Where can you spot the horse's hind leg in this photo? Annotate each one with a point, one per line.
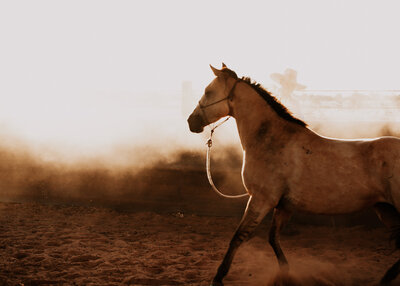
(255, 212)
(279, 219)
(391, 219)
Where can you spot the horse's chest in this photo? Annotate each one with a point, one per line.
(262, 175)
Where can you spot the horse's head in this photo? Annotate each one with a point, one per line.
(214, 104)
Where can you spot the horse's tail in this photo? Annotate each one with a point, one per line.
(391, 218)
(395, 235)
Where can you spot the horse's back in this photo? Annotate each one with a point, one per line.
(389, 145)
(341, 176)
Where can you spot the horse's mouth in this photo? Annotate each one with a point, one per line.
(196, 123)
(197, 129)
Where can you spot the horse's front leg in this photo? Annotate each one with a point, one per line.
(255, 211)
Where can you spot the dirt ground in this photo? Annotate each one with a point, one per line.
(69, 245)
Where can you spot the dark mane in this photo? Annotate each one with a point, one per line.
(278, 107)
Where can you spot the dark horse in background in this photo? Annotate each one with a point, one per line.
(289, 167)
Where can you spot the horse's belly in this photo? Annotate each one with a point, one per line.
(331, 206)
(328, 200)
(335, 187)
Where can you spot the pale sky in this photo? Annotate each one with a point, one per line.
(77, 71)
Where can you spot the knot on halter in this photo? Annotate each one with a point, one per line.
(209, 141)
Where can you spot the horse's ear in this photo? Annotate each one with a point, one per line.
(216, 71)
(224, 65)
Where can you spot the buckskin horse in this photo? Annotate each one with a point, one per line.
(287, 167)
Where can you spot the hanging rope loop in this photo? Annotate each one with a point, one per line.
(208, 165)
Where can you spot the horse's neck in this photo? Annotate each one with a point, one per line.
(256, 121)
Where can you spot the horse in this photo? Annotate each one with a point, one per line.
(288, 167)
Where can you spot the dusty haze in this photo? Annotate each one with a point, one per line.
(165, 171)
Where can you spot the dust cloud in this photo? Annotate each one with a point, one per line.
(310, 272)
(134, 178)
(317, 256)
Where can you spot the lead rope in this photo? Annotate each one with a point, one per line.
(208, 163)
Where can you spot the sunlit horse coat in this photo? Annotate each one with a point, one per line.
(289, 167)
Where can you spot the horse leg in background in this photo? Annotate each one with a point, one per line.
(390, 217)
(255, 211)
(279, 219)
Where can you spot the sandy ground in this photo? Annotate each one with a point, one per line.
(66, 245)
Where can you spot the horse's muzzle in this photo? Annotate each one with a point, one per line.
(196, 123)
